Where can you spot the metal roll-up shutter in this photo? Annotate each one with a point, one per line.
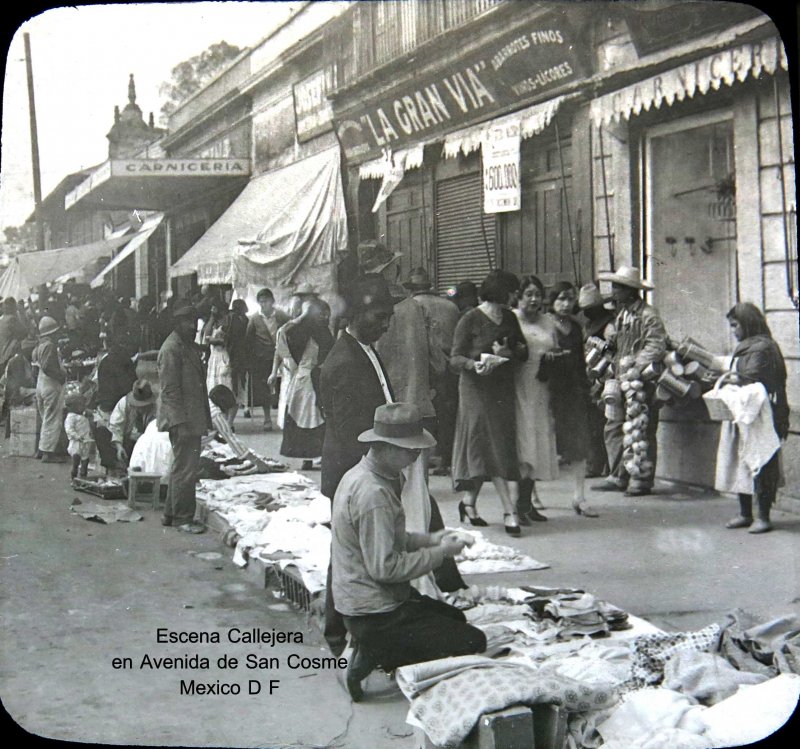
(463, 247)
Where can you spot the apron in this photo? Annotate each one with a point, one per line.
(50, 402)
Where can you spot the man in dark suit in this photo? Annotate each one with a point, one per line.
(183, 412)
(352, 384)
(353, 380)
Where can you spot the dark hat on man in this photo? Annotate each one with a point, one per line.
(418, 280)
(185, 310)
(398, 424)
(374, 256)
(370, 291)
(141, 394)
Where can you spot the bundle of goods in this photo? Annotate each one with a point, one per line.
(689, 371)
(637, 417)
(105, 487)
(599, 355)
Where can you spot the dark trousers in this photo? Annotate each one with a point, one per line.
(447, 577)
(765, 487)
(446, 405)
(597, 459)
(181, 499)
(108, 455)
(420, 629)
(613, 437)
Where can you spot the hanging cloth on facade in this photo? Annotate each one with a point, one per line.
(284, 223)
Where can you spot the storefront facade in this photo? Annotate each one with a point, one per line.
(288, 224)
(647, 137)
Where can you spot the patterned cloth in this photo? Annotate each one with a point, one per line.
(449, 709)
(651, 652)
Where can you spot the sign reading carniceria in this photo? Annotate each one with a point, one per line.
(132, 168)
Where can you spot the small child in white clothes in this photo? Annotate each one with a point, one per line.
(79, 432)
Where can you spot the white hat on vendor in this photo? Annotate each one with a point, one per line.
(399, 424)
(628, 276)
(48, 326)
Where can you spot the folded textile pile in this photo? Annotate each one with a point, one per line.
(577, 615)
(484, 556)
(660, 718)
(449, 696)
(767, 648)
(651, 652)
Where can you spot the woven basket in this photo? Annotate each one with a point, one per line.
(717, 408)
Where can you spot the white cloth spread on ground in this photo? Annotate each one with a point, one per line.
(748, 442)
(484, 556)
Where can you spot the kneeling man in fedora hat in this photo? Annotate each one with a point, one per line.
(130, 418)
(374, 559)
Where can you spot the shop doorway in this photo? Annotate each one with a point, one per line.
(690, 226)
(536, 238)
(405, 225)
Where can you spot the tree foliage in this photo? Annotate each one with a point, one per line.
(191, 75)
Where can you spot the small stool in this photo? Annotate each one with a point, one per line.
(143, 487)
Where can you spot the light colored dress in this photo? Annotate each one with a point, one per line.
(219, 363)
(299, 416)
(536, 428)
(79, 432)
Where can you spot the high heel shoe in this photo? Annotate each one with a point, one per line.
(475, 520)
(512, 530)
(581, 508)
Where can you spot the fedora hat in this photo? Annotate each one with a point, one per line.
(374, 256)
(628, 276)
(418, 280)
(590, 296)
(184, 310)
(305, 289)
(141, 394)
(369, 291)
(398, 424)
(48, 326)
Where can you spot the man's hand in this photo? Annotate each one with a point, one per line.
(122, 456)
(451, 545)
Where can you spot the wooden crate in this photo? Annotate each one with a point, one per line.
(24, 432)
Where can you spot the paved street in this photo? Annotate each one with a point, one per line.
(77, 595)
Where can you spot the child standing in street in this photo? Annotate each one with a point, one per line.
(79, 432)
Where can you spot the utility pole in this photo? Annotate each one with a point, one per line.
(37, 180)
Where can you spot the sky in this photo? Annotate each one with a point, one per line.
(82, 57)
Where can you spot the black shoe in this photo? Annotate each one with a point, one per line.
(358, 669)
(607, 486)
(166, 521)
(512, 530)
(638, 491)
(535, 515)
(477, 520)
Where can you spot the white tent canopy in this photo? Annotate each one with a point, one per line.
(285, 227)
(31, 269)
(136, 241)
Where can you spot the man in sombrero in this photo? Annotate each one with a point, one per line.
(641, 336)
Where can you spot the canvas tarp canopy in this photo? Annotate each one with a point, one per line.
(149, 225)
(285, 227)
(29, 270)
